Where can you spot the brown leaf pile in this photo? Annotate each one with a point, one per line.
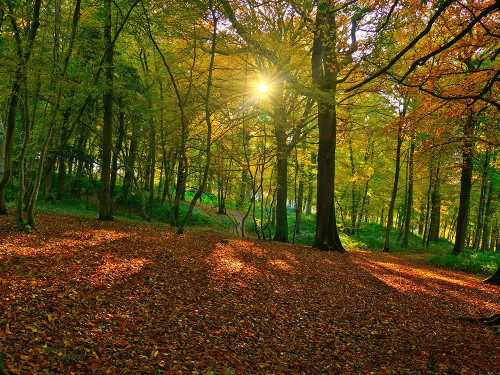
(83, 297)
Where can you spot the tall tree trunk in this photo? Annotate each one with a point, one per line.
(427, 208)
(465, 184)
(324, 73)
(118, 148)
(208, 120)
(485, 241)
(25, 116)
(482, 199)
(2, 150)
(105, 207)
(281, 233)
(390, 214)
(409, 202)
(310, 191)
(9, 137)
(130, 163)
(20, 75)
(180, 188)
(354, 198)
(435, 208)
(152, 161)
(299, 196)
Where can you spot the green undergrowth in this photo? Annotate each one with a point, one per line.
(369, 237)
(89, 206)
(482, 263)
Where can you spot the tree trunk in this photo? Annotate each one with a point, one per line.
(14, 96)
(61, 178)
(390, 214)
(495, 278)
(281, 233)
(105, 208)
(208, 120)
(482, 199)
(409, 201)
(310, 192)
(118, 148)
(152, 164)
(130, 163)
(27, 132)
(324, 74)
(298, 207)
(465, 184)
(9, 137)
(2, 150)
(354, 198)
(485, 241)
(435, 208)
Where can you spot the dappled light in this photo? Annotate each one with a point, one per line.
(113, 269)
(23, 245)
(138, 297)
(444, 284)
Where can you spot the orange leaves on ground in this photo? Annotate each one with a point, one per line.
(130, 298)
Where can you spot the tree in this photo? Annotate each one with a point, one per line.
(390, 214)
(324, 75)
(465, 182)
(105, 208)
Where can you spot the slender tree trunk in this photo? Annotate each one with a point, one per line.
(435, 208)
(310, 192)
(485, 241)
(27, 132)
(2, 150)
(465, 184)
(428, 207)
(421, 218)
(208, 120)
(281, 233)
(299, 203)
(354, 198)
(152, 163)
(20, 75)
(9, 137)
(118, 148)
(390, 214)
(130, 163)
(105, 206)
(482, 199)
(409, 202)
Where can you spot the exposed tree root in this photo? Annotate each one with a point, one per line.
(325, 247)
(495, 278)
(490, 321)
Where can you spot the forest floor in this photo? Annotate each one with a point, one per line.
(80, 296)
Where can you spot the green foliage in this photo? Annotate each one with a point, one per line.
(484, 263)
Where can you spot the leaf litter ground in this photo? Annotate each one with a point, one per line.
(85, 297)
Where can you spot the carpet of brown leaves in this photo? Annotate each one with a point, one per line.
(83, 297)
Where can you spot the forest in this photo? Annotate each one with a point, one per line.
(314, 122)
(357, 112)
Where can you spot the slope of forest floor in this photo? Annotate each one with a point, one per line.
(82, 296)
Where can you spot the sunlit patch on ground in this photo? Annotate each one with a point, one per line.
(226, 259)
(70, 241)
(114, 268)
(281, 265)
(434, 282)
